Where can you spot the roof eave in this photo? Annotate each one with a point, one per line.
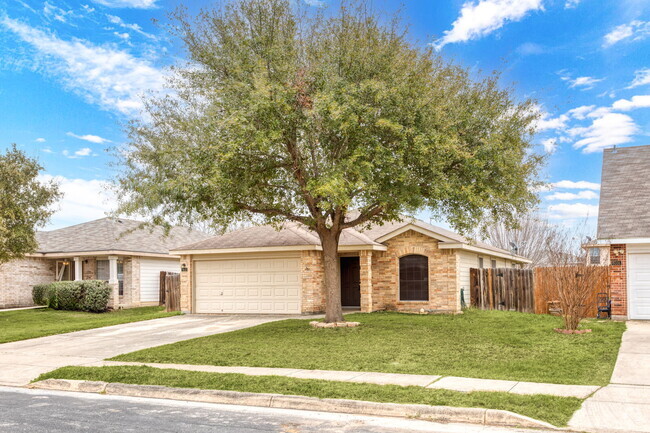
(416, 228)
(67, 254)
(486, 251)
(281, 248)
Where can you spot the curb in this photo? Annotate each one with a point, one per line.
(444, 414)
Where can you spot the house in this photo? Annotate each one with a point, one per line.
(407, 266)
(112, 249)
(624, 229)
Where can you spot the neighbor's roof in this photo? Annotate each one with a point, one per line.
(297, 235)
(113, 234)
(624, 210)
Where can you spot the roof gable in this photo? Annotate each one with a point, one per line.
(624, 209)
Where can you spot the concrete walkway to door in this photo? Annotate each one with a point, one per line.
(23, 361)
(624, 404)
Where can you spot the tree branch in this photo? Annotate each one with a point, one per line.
(363, 217)
(274, 212)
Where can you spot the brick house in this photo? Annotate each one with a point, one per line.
(406, 266)
(624, 229)
(115, 250)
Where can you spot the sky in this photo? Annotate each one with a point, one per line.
(73, 74)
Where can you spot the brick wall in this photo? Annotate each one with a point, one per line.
(443, 293)
(19, 276)
(186, 283)
(131, 267)
(313, 290)
(89, 268)
(618, 280)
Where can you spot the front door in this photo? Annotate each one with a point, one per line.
(350, 282)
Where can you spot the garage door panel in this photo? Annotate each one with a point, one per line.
(639, 286)
(254, 286)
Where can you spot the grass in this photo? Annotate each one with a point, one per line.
(555, 410)
(480, 344)
(24, 324)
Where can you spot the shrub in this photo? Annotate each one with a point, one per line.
(97, 296)
(88, 295)
(39, 293)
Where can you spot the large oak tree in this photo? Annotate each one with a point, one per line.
(25, 203)
(288, 114)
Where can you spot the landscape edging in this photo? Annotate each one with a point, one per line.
(445, 414)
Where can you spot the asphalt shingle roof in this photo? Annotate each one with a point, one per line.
(112, 234)
(292, 234)
(624, 210)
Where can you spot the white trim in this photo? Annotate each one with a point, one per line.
(64, 255)
(484, 251)
(415, 228)
(624, 241)
(342, 248)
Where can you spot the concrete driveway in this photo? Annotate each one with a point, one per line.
(23, 361)
(624, 404)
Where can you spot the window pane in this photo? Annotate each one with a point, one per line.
(414, 278)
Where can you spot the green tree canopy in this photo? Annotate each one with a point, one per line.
(25, 203)
(282, 114)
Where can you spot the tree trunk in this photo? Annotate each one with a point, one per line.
(332, 277)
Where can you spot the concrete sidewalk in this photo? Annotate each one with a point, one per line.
(23, 361)
(432, 382)
(623, 405)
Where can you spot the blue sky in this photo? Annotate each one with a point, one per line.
(72, 74)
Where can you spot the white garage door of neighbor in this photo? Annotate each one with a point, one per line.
(639, 286)
(150, 277)
(249, 286)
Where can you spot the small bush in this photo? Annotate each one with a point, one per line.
(88, 295)
(38, 294)
(97, 296)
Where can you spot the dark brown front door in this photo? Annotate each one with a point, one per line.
(350, 282)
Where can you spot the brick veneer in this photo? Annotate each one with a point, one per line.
(443, 292)
(618, 280)
(131, 268)
(313, 290)
(19, 276)
(186, 283)
(89, 268)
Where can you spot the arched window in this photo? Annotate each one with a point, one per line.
(414, 278)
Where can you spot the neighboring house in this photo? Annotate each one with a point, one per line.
(408, 266)
(624, 229)
(111, 249)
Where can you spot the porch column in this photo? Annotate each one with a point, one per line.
(365, 269)
(113, 282)
(78, 272)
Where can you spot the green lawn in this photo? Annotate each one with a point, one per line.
(481, 344)
(24, 324)
(555, 410)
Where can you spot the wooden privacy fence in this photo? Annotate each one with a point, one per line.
(507, 289)
(526, 290)
(170, 290)
(546, 291)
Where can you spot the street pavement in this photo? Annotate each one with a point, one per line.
(35, 411)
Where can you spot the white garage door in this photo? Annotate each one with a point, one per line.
(639, 282)
(150, 277)
(249, 286)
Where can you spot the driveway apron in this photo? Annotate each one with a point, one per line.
(23, 361)
(624, 404)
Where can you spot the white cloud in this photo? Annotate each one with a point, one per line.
(546, 122)
(572, 211)
(47, 150)
(635, 30)
(581, 112)
(85, 151)
(570, 4)
(112, 78)
(88, 137)
(317, 3)
(136, 4)
(550, 145)
(638, 101)
(75, 207)
(581, 184)
(605, 131)
(481, 18)
(53, 12)
(641, 78)
(584, 82)
(581, 195)
(113, 19)
(124, 36)
(40, 140)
